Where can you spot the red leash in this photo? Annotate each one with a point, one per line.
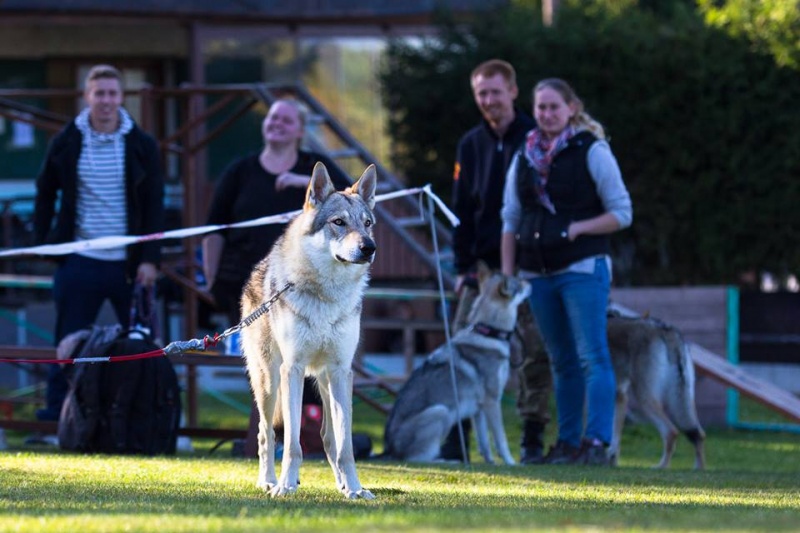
(173, 348)
(108, 359)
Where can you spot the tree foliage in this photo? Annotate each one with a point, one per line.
(702, 125)
(772, 26)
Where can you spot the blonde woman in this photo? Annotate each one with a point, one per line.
(563, 196)
(270, 182)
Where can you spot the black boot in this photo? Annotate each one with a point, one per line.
(451, 447)
(532, 443)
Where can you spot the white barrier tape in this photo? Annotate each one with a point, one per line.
(102, 243)
(454, 221)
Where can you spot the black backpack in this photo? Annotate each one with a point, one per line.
(128, 407)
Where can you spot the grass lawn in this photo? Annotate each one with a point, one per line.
(752, 483)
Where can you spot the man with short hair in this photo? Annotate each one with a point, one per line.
(483, 156)
(106, 173)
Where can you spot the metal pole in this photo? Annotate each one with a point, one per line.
(733, 351)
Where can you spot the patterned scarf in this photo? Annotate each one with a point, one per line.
(540, 153)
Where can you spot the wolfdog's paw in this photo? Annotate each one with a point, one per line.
(356, 494)
(267, 486)
(279, 491)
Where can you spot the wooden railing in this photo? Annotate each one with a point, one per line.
(363, 379)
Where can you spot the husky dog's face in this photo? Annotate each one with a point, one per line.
(347, 224)
(344, 220)
(499, 298)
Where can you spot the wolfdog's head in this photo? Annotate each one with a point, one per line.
(343, 220)
(499, 299)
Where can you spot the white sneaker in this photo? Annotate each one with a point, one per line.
(39, 439)
(184, 444)
(50, 440)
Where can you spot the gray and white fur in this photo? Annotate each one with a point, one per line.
(312, 329)
(653, 367)
(426, 409)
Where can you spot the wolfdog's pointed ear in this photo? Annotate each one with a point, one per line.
(319, 188)
(365, 186)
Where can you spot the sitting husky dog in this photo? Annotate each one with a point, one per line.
(653, 367)
(425, 409)
(313, 328)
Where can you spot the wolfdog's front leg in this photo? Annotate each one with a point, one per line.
(264, 387)
(341, 409)
(482, 434)
(291, 403)
(494, 418)
(323, 383)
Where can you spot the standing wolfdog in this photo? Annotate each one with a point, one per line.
(653, 367)
(325, 254)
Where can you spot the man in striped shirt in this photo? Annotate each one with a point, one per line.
(105, 175)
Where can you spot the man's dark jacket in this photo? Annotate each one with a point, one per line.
(144, 192)
(480, 175)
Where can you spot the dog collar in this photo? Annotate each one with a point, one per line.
(489, 331)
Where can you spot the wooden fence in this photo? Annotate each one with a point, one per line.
(701, 314)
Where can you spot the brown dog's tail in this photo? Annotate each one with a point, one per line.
(682, 406)
(682, 403)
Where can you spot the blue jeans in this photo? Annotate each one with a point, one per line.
(80, 287)
(570, 309)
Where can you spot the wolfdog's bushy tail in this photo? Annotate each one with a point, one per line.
(681, 402)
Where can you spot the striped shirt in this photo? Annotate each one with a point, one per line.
(101, 210)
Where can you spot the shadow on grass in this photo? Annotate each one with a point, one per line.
(439, 496)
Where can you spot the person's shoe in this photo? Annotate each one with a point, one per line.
(184, 444)
(562, 454)
(532, 456)
(532, 447)
(41, 439)
(594, 452)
